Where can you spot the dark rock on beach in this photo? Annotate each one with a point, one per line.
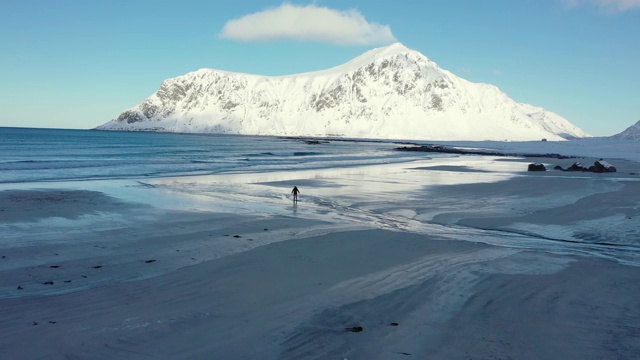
(536, 167)
(602, 166)
(576, 167)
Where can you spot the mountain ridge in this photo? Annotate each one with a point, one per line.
(630, 133)
(390, 93)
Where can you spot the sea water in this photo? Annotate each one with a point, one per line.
(44, 155)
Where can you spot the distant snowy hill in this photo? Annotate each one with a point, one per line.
(631, 133)
(387, 93)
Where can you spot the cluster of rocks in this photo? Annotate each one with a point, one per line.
(600, 166)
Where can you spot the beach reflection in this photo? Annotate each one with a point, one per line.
(401, 177)
(351, 194)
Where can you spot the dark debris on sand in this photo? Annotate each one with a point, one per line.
(354, 329)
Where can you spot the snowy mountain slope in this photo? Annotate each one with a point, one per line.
(390, 92)
(630, 133)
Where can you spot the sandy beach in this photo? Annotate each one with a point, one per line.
(449, 258)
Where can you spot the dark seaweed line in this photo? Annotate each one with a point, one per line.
(446, 150)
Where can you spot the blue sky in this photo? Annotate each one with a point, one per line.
(80, 63)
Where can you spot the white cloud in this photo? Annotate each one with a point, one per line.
(619, 5)
(609, 5)
(307, 23)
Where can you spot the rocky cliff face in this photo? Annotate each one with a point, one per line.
(390, 93)
(631, 133)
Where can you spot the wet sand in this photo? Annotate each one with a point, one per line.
(369, 274)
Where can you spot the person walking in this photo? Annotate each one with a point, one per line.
(295, 192)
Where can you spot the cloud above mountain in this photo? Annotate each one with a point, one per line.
(307, 23)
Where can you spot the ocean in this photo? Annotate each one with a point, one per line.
(45, 155)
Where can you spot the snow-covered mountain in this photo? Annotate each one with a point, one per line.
(631, 133)
(389, 93)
